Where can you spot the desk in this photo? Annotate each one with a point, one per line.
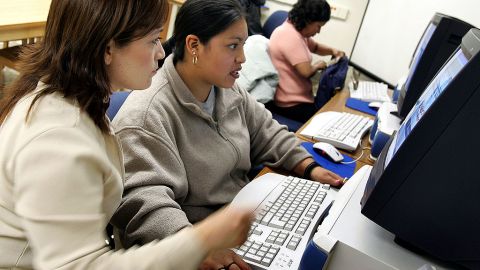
(337, 103)
(23, 19)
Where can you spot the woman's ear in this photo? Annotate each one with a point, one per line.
(109, 52)
(192, 43)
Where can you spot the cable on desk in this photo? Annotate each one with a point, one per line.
(358, 158)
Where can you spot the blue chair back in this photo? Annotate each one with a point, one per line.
(116, 101)
(273, 21)
(291, 124)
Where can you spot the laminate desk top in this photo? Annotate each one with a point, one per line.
(22, 19)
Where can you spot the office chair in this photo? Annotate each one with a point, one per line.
(274, 20)
(292, 125)
(116, 101)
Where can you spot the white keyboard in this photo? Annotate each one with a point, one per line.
(288, 212)
(341, 129)
(370, 91)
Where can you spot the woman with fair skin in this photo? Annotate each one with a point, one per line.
(62, 167)
(290, 48)
(191, 138)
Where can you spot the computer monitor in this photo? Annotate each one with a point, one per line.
(441, 37)
(425, 185)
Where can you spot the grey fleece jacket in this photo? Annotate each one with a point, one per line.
(182, 164)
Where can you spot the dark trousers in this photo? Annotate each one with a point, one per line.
(301, 112)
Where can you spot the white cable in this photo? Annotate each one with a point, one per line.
(358, 158)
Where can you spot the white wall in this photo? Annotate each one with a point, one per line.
(337, 33)
(392, 29)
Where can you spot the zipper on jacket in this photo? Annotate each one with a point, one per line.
(216, 126)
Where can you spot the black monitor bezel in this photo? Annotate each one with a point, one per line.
(443, 41)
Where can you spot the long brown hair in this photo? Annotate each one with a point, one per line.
(70, 59)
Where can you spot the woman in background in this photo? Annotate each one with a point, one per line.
(192, 137)
(291, 46)
(62, 170)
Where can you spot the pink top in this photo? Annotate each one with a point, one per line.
(288, 48)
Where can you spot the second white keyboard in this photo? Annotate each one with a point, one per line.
(370, 91)
(341, 129)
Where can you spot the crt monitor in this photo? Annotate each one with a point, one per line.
(425, 186)
(441, 37)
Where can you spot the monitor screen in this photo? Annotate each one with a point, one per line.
(418, 53)
(433, 90)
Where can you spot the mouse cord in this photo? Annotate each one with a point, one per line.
(359, 157)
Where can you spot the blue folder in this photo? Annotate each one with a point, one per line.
(360, 105)
(344, 170)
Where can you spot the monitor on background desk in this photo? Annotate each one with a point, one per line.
(439, 40)
(424, 188)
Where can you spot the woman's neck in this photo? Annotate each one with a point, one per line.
(197, 86)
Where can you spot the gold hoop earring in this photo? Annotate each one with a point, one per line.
(195, 58)
(106, 99)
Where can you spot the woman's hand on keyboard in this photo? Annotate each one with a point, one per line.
(225, 228)
(222, 258)
(325, 176)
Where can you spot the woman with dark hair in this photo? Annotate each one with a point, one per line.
(291, 47)
(62, 169)
(192, 137)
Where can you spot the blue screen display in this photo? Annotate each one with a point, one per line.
(433, 91)
(419, 52)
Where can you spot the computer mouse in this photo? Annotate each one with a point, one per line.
(329, 151)
(375, 105)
